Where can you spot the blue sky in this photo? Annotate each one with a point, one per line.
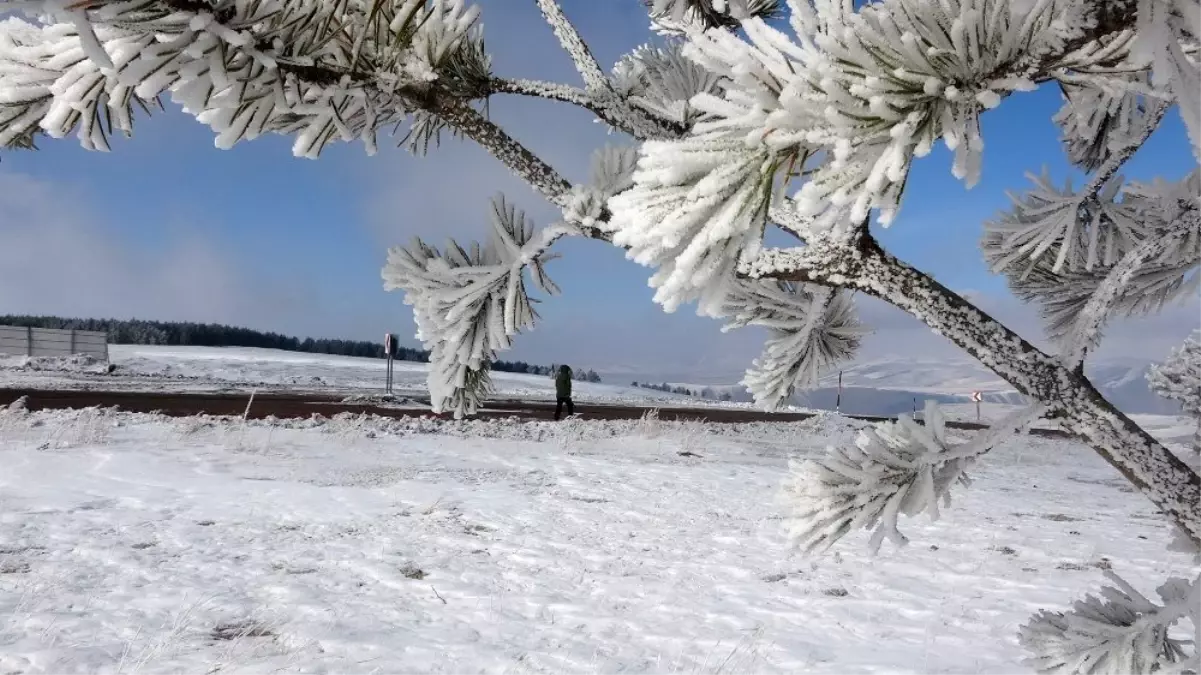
(166, 226)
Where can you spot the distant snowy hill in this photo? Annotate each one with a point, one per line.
(891, 385)
(203, 369)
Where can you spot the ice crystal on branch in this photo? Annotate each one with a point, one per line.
(612, 172)
(1119, 632)
(811, 329)
(468, 304)
(1172, 207)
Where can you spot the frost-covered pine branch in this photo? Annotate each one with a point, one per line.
(1075, 230)
(811, 330)
(469, 303)
(1105, 125)
(1128, 250)
(1169, 34)
(313, 70)
(662, 81)
(681, 17)
(1086, 327)
(893, 469)
(1121, 631)
(843, 106)
(1179, 379)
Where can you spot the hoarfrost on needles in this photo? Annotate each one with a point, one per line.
(468, 304)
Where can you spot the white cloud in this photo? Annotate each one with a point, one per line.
(59, 255)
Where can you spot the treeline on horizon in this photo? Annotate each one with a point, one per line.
(190, 334)
(707, 392)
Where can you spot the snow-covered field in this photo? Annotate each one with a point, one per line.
(196, 369)
(138, 543)
(1175, 430)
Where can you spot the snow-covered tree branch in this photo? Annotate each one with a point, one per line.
(1120, 632)
(897, 468)
(469, 303)
(574, 45)
(811, 329)
(1179, 379)
(743, 116)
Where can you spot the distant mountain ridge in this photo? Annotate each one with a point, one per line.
(894, 384)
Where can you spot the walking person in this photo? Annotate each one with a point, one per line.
(563, 392)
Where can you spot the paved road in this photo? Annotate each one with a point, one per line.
(295, 405)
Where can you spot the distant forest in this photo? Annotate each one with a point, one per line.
(707, 392)
(188, 334)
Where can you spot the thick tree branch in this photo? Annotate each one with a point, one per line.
(1165, 479)
(573, 44)
(525, 164)
(528, 166)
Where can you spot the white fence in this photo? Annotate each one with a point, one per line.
(23, 341)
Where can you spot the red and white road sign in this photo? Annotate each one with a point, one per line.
(977, 396)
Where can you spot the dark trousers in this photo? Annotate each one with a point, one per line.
(559, 407)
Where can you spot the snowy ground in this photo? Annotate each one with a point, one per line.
(195, 369)
(136, 543)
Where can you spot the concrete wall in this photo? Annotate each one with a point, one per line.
(19, 341)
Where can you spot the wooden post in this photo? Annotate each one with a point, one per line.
(29, 341)
(72, 341)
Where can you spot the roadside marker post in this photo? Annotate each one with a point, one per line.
(977, 397)
(388, 355)
(838, 399)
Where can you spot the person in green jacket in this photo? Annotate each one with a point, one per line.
(563, 392)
